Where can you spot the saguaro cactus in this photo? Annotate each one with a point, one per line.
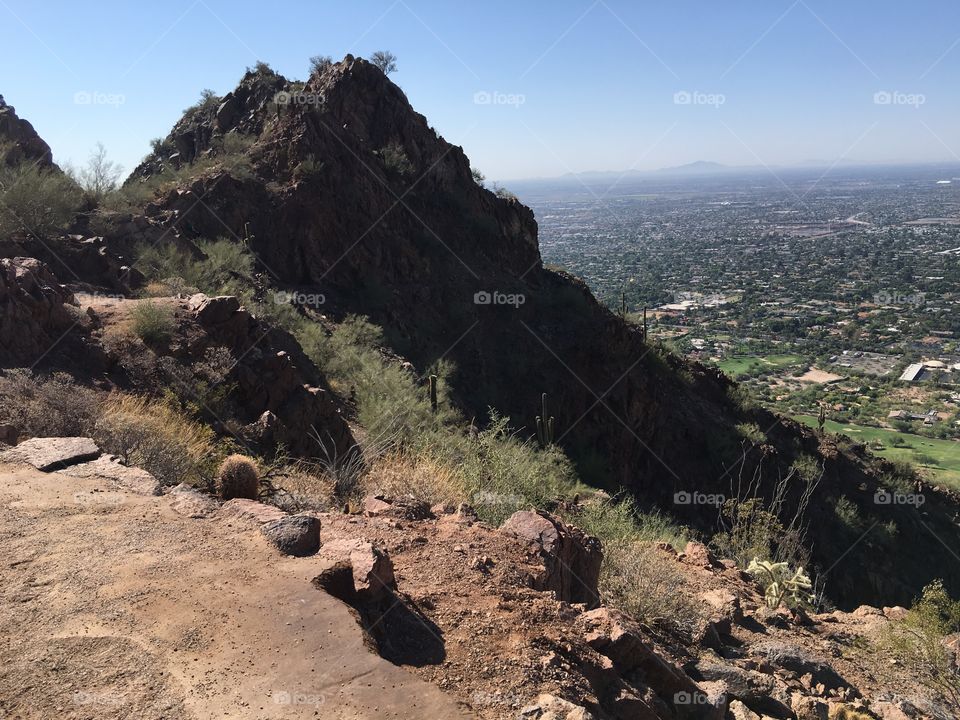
(545, 424)
(433, 393)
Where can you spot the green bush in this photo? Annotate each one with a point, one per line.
(152, 322)
(919, 642)
(35, 201)
(395, 160)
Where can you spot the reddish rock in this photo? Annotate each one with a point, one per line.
(34, 310)
(251, 510)
(571, 559)
(373, 574)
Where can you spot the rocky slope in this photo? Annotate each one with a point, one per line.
(179, 606)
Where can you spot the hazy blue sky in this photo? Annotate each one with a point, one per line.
(527, 88)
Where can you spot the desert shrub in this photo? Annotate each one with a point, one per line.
(208, 100)
(395, 160)
(152, 322)
(417, 475)
(155, 436)
(645, 582)
(238, 477)
(385, 60)
(502, 192)
(478, 177)
(319, 63)
(752, 433)
(36, 201)
(225, 268)
(500, 471)
(47, 406)
(918, 641)
(231, 151)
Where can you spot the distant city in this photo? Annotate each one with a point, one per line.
(819, 288)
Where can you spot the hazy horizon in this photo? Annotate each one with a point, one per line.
(600, 86)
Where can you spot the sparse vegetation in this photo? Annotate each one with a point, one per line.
(395, 160)
(152, 322)
(36, 201)
(47, 406)
(156, 436)
(99, 176)
(781, 585)
(319, 63)
(919, 641)
(385, 60)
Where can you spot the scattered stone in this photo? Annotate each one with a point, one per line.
(374, 505)
(571, 559)
(617, 636)
(739, 711)
(190, 502)
(251, 510)
(52, 453)
(373, 574)
(809, 708)
(699, 555)
(297, 535)
(213, 310)
(550, 707)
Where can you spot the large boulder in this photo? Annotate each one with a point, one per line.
(34, 310)
(619, 637)
(373, 576)
(570, 558)
(21, 141)
(297, 535)
(52, 453)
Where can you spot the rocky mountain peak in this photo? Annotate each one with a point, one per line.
(19, 141)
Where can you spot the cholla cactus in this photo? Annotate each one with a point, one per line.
(780, 586)
(238, 478)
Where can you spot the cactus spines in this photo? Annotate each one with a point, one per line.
(433, 393)
(545, 424)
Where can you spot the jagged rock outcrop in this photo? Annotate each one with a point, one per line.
(280, 396)
(34, 310)
(22, 141)
(571, 558)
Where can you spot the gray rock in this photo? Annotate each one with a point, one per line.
(189, 502)
(297, 535)
(52, 453)
(108, 467)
